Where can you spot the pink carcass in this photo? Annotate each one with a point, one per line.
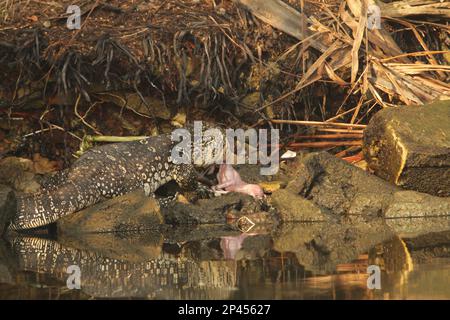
(230, 181)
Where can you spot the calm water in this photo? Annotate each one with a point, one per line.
(292, 262)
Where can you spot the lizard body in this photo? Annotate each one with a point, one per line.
(104, 172)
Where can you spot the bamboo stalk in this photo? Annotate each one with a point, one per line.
(324, 144)
(318, 123)
(340, 130)
(330, 136)
(114, 138)
(347, 151)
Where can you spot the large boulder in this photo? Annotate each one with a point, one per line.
(410, 147)
(131, 212)
(343, 190)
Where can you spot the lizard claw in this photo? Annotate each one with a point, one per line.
(167, 201)
(204, 192)
(147, 190)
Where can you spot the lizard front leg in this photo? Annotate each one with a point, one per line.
(187, 178)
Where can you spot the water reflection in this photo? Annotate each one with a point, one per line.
(297, 261)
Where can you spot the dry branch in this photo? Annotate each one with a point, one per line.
(405, 8)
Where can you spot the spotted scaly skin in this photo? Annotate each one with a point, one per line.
(104, 276)
(104, 172)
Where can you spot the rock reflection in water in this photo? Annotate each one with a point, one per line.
(298, 261)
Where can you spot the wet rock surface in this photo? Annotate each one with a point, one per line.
(410, 147)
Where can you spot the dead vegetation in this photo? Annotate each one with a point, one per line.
(297, 64)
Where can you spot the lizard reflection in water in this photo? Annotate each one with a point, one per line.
(104, 276)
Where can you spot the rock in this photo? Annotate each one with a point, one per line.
(257, 222)
(130, 212)
(211, 211)
(247, 107)
(410, 204)
(8, 264)
(8, 207)
(426, 247)
(251, 173)
(293, 208)
(152, 107)
(19, 174)
(270, 187)
(418, 226)
(128, 246)
(410, 146)
(341, 189)
(338, 187)
(393, 257)
(320, 247)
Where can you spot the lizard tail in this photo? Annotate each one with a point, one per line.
(43, 208)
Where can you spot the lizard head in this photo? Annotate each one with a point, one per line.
(208, 143)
